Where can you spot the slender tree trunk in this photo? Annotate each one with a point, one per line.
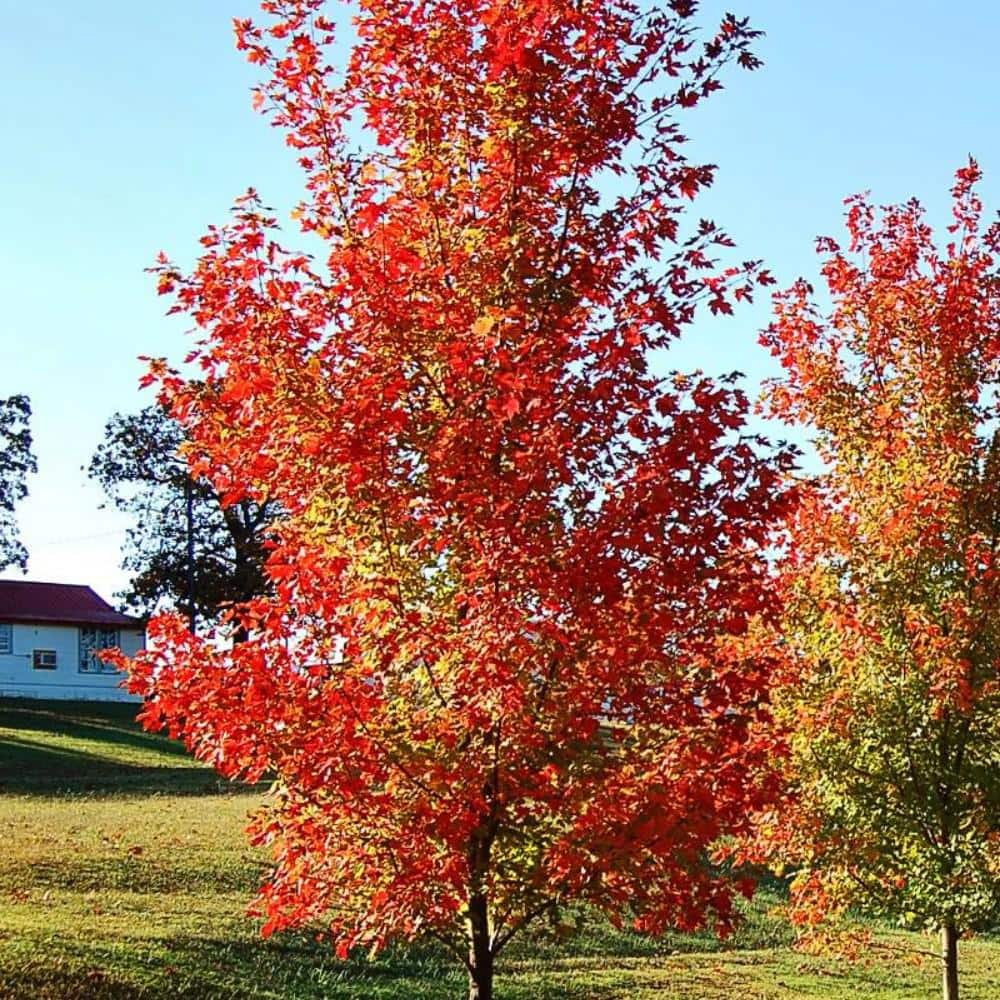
(480, 946)
(480, 953)
(949, 961)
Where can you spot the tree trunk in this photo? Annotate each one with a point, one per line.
(949, 961)
(480, 953)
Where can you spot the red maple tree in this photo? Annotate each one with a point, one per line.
(503, 665)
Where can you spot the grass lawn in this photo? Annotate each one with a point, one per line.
(125, 874)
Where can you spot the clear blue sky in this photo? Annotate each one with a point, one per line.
(127, 129)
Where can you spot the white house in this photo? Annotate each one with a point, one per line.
(49, 636)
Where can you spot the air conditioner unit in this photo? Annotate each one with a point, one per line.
(44, 659)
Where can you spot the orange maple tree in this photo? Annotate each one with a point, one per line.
(503, 667)
(890, 686)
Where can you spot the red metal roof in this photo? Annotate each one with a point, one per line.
(57, 603)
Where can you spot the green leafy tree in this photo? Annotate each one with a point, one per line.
(17, 462)
(892, 645)
(143, 472)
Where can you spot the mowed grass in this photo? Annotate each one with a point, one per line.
(124, 873)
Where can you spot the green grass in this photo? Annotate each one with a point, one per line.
(124, 874)
(52, 748)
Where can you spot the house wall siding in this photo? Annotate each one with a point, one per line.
(66, 682)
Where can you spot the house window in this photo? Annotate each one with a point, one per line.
(92, 640)
(6, 639)
(43, 659)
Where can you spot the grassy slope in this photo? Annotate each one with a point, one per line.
(125, 874)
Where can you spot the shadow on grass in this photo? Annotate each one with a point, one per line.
(296, 965)
(101, 712)
(418, 959)
(214, 968)
(33, 763)
(122, 870)
(30, 768)
(109, 723)
(597, 938)
(43, 981)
